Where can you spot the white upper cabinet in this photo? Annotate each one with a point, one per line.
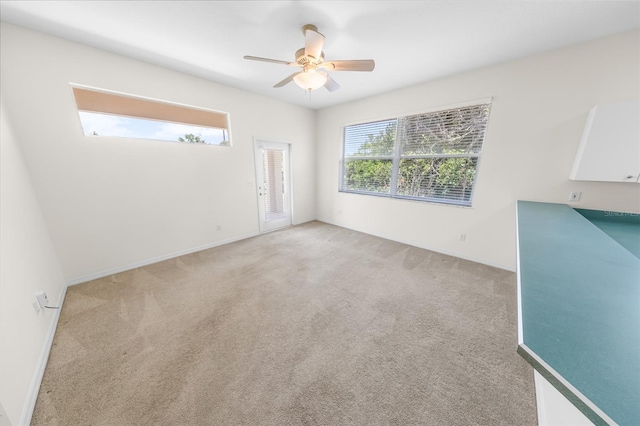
(610, 147)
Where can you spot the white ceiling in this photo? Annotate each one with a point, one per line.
(410, 41)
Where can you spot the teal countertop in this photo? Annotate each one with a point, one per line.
(622, 227)
(579, 306)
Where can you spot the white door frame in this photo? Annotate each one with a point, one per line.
(286, 220)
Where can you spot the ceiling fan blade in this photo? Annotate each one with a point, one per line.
(287, 80)
(331, 85)
(313, 41)
(275, 61)
(353, 65)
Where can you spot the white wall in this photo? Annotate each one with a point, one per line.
(27, 263)
(540, 105)
(113, 203)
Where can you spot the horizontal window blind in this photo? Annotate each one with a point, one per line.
(452, 132)
(274, 185)
(108, 114)
(128, 106)
(370, 139)
(429, 157)
(368, 176)
(438, 179)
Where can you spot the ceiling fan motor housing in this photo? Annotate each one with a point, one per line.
(303, 60)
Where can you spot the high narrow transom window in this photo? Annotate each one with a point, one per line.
(109, 114)
(426, 157)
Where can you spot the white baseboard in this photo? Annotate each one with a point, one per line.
(106, 273)
(36, 380)
(425, 246)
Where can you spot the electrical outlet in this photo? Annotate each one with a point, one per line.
(463, 237)
(575, 196)
(36, 307)
(42, 299)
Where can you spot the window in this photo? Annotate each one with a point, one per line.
(109, 114)
(427, 157)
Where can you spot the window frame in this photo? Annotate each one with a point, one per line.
(396, 157)
(88, 99)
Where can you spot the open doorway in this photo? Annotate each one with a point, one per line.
(274, 184)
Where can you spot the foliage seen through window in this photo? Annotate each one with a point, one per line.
(430, 157)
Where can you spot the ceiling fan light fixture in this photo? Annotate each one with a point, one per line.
(310, 79)
(310, 58)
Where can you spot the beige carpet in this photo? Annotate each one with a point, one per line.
(311, 325)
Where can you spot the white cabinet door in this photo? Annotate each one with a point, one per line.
(610, 147)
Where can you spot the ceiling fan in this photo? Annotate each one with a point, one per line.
(314, 68)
